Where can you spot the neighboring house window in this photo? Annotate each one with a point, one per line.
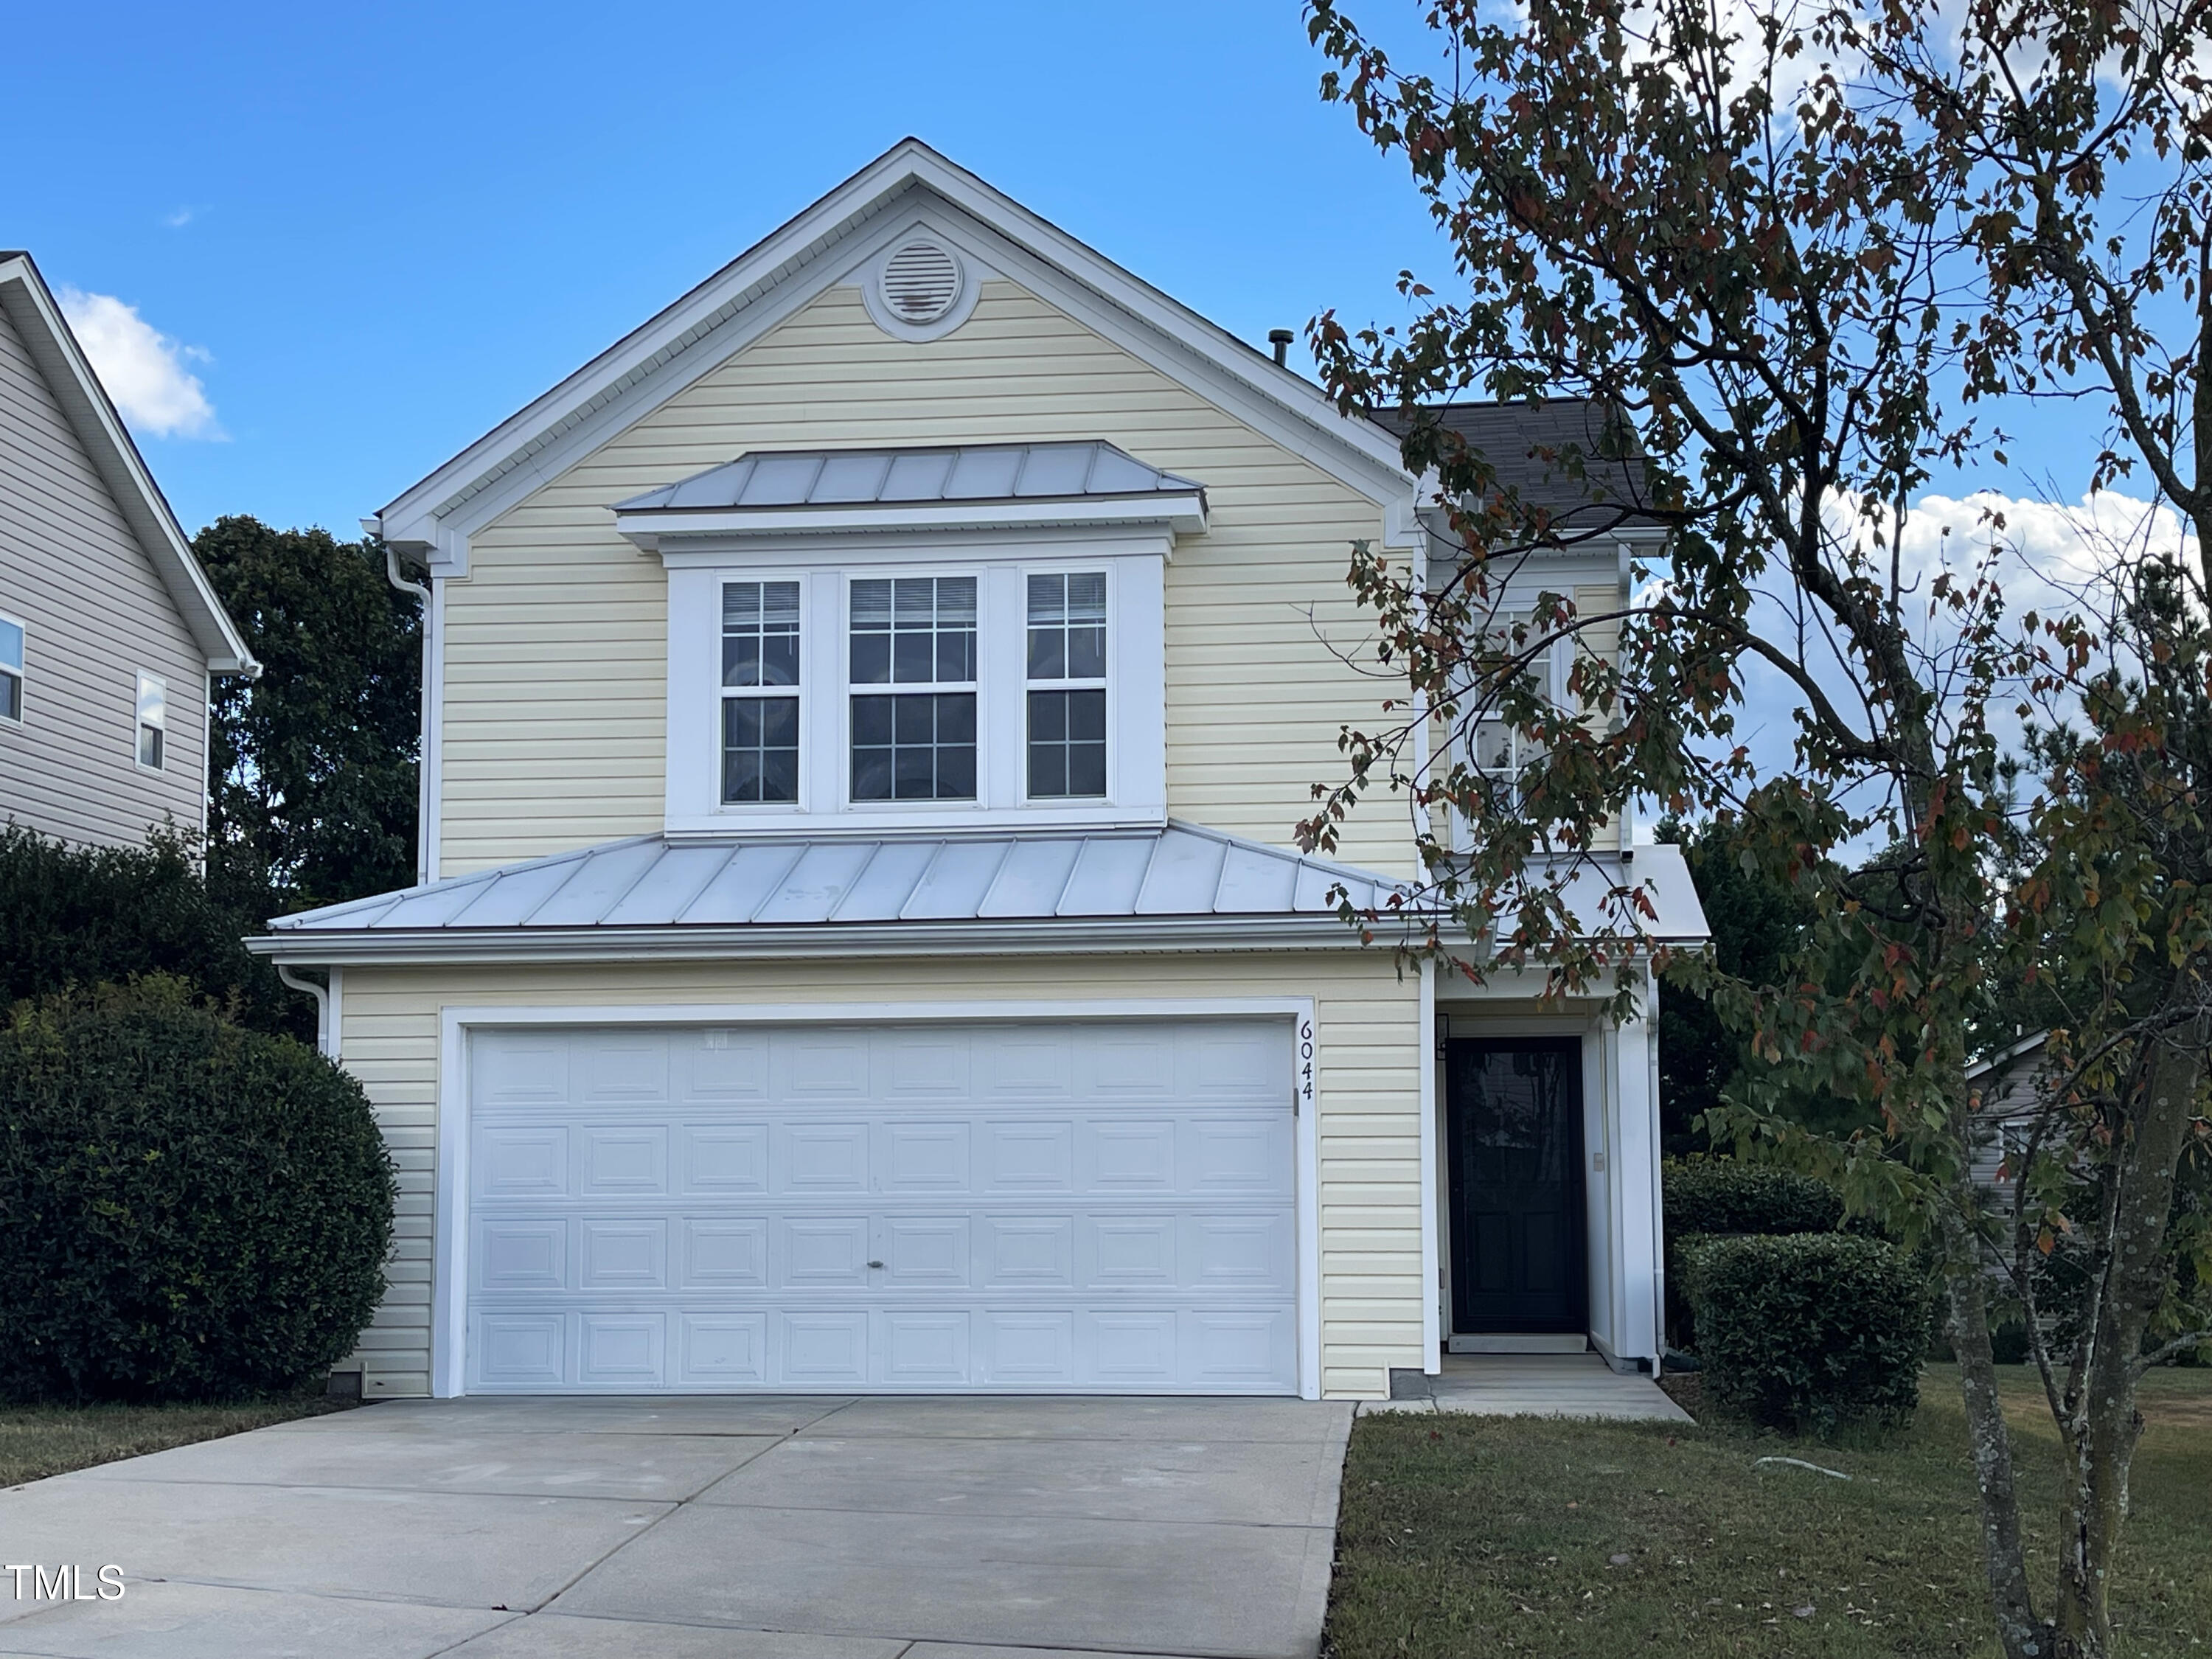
(1068, 685)
(919, 743)
(11, 669)
(153, 719)
(760, 691)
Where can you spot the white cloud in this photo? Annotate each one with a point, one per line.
(143, 368)
(180, 218)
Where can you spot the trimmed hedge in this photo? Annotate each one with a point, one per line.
(1810, 1331)
(1719, 1196)
(193, 1210)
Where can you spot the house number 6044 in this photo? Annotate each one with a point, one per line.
(1305, 1087)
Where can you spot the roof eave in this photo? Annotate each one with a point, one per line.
(1184, 513)
(756, 941)
(114, 454)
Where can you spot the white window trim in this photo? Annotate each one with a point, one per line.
(1109, 684)
(723, 694)
(849, 689)
(139, 724)
(1136, 680)
(21, 675)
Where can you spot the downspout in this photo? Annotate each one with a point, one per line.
(426, 747)
(324, 1037)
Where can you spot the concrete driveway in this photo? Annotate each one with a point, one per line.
(686, 1529)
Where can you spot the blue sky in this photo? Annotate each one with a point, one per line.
(377, 232)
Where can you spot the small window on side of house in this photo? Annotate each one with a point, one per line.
(153, 721)
(11, 670)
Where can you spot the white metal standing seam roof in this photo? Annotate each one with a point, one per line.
(1081, 471)
(652, 881)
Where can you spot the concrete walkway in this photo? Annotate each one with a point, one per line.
(704, 1528)
(1537, 1385)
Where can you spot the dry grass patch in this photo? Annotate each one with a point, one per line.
(1468, 1535)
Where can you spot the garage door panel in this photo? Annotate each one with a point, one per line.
(1034, 1253)
(923, 1158)
(825, 1349)
(720, 1066)
(522, 1161)
(1102, 1206)
(523, 1255)
(621, 1350)
(723, 1254)
(621, 1256)
(724, 1158)
(930, 1252)
(1027, 1157)
(721, 1350)
(1026, 1350)
(625, 1161)
(822, 1252)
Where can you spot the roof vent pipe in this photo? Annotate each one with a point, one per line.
(1281, 338)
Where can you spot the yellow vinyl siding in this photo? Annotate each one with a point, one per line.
(555, 643)
(1366, 1020)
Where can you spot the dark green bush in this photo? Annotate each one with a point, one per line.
(1810, 1331)
(1720, 1195)
(89, 915)
(192, 1209)
(1703, 1197)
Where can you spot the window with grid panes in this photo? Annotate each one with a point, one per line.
(1068, 685)
(916, 634)
(759, 692)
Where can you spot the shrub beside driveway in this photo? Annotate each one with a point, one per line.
(37, 1441)
(1462, 1535)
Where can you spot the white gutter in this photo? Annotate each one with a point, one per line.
(1044, 936)
(324, 1039)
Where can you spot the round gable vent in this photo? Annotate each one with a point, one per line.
(921, 282)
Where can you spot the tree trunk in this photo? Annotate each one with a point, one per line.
(1968, 1287)
(2135, 1277)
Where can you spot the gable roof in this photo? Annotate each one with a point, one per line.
(821, 247)
(31, 307)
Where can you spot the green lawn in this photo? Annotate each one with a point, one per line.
(37, 1441)
(1465, 1535)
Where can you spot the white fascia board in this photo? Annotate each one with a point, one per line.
(1043, 936)
(651, 529)
(905, 545)
(108, 444)
(757, 289)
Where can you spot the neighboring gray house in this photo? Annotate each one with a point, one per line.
(108, 628)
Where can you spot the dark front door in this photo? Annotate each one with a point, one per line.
(1514, 1115)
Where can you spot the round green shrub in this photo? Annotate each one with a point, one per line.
(192, 1209)
(1720, 1195)
(1810, 1331)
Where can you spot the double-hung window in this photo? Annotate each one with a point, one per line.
(916, 634)
(11, 670)
(759, 692)
(153, 720)
(1067, 686)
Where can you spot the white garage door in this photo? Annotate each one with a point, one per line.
(1102, 1207)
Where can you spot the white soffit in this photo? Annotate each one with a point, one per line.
(908, 189)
